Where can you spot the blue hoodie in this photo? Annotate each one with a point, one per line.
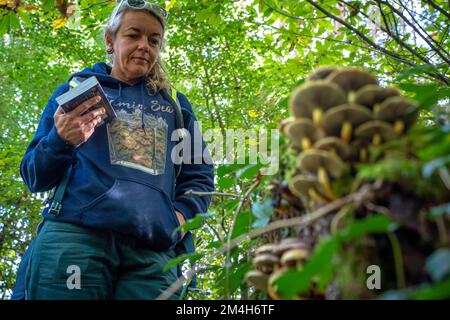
(123, 178)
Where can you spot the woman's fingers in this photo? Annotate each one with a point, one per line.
(59, 111)
(94, 114)
(85, 106)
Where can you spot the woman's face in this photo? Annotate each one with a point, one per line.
(136, 45)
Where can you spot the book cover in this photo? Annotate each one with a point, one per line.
(88, 89)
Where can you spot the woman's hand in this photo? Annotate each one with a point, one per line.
(75, 127)
(182, 221)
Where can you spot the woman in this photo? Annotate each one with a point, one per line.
(124, 198)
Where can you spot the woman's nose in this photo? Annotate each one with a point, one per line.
(144, 44)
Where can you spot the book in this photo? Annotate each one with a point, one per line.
(80, 92)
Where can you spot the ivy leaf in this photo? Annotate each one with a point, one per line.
(438, 264)
(262, 212)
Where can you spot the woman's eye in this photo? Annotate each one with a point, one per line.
(154, 42)
(132, 36)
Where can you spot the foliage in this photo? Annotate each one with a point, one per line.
(237, 61)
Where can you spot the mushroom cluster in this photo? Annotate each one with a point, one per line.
(337, 114)
(272, 260)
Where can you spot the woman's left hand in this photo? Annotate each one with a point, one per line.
(182, 221)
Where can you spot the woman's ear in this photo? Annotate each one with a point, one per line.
(108, 40)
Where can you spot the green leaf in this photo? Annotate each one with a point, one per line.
(243, 224)
(237, 276)
(192, 257)
(373, 224)
(249, 172)
(437, 291)
(226, 182)
(13, 20)
(4, 24)
(417, 70)
(427, 94)
(229, 168)
(195, 222)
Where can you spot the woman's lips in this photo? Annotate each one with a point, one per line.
(140, 60)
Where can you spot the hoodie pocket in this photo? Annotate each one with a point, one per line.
(135, 208)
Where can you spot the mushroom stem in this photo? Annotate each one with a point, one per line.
(306, 143)
(399, 126)
(363, 154)
(317, 116)
(346, 131)
(351, 95)
(376, 139)
(299, 265)
(376, 108)
(325, 183)
(313, 194)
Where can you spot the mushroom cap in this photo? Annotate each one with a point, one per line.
(371, 94)
(302, 128)
(270, 285)
(257, 279)
(290, 244)
(291, 257)
(285, 122)
(266, 262)
(311, 160)
(300, 184)
(333, 119)
(351, 79)
(396, 108)
(265, 248)
(318, 94)
(321, 73)
(341, 147)
(368, 129)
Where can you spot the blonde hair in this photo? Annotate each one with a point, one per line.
(157, 78)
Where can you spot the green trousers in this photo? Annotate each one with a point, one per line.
(74, 262)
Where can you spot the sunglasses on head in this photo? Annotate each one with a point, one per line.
(142, 4)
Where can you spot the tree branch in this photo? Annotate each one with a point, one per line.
(434, 5)
(370, 42)
(230, 234)
(425, 34)
(331, 40)
(393, 9)
(214, 193)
